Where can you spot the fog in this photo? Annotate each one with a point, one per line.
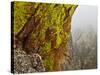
(84, 19)
(84, 36)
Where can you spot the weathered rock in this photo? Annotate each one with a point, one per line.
(37, 62)
(24, 63)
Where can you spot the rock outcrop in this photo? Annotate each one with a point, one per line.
(44, 31)
(24, 63)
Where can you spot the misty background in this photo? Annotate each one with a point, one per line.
(84, 36)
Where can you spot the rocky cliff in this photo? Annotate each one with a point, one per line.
(43, 33)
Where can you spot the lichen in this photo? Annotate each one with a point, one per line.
(54, 30)
(48, 63)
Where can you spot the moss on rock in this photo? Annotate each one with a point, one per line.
(53, 31)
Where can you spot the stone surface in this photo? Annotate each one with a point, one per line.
(24, 63)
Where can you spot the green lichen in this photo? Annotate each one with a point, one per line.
(47, 47)
(72, 10)
(48, 63)
(59, 39)
(52, 16)
(19, 16)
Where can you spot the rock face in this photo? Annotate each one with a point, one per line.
(44, 32)
(24, 63)
(37, 62)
